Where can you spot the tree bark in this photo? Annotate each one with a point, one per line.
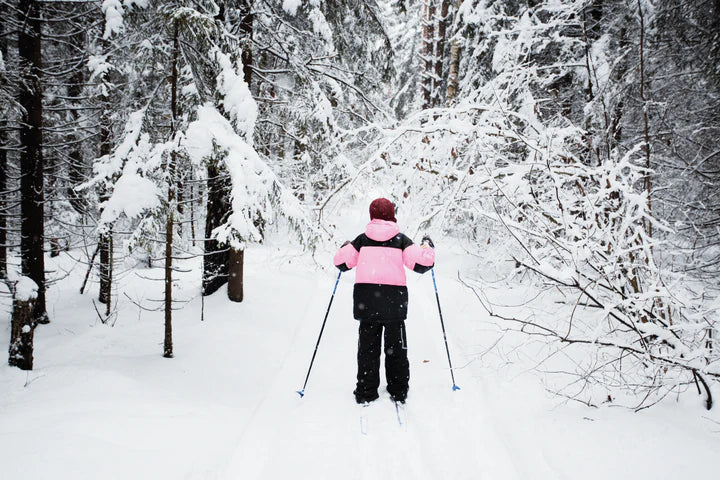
(3, 171)
(236, 257)
(168, 343)
(104, 295)
(3, 203)
(32, 179)
(428, 54)
(454, 65)
(235, 278)
(440, 52)
(246, 28)
(215, 261)
(105, 241)
(21, 334)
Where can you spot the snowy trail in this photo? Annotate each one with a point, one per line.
(288, 435)
(103, 403)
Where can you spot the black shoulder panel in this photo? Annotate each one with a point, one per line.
(359, 241)
(398, 241)
(406, 242)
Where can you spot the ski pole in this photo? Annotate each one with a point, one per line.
(302, 392)
(442, 324)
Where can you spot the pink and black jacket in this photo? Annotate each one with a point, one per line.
(380, 255)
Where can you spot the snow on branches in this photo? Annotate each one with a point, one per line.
(573, 208)
(257, 196)
(114, 11)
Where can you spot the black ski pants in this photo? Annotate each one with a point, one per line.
(397, 367)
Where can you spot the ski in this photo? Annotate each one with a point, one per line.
(364, 410)
(401, 414)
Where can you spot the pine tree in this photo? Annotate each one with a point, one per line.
(32, 180)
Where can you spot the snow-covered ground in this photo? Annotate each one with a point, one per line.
(102, 403)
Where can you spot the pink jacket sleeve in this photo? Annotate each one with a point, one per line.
(346, 258)
(419, 259)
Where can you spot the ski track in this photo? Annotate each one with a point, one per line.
(446, 432)
(103, 403)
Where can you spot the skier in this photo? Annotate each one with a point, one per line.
(380, 298)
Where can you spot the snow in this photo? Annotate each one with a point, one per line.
(236, 96)
(291, 6)
(25, 289)
(321, 27)
(103, 403)
(255, 188)
(98, 66)
(114, 10)
(133, 194)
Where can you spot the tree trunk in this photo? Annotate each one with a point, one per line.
(168, 344)
(21, 329)
(32, 180)
(646, 123)
(3, 203)
(454, 65)
(105, 240)
(215, 261)
(3, 170)
(246, 28)
(440, 52)
(235, 278)
(192, 209)
(236, 257)
(428, 54)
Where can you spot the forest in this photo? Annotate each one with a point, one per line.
(571, 147)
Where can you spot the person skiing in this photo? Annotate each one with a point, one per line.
(380, 298)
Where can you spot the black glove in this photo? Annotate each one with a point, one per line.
(427, 240)
(346, 242)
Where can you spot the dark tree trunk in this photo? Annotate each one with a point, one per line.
(3, 212)
(235, 278)
(169, 225)
(168, 343)
(21, 334)
(236, 257)
(3, 203)
(105, 241)
(3, 171)
(215, 261)
(192, 211)
(106, 269)
(32, 179)
(246, 28)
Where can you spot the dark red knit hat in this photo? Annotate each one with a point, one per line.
(383, 209)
